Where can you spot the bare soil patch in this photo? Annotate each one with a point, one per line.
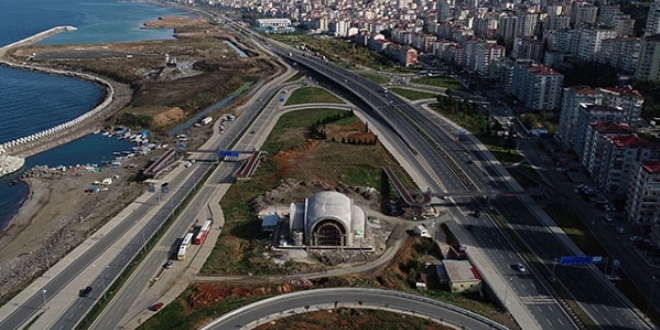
(191, 72)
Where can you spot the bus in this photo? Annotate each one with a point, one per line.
(203, 232)
(184, 246)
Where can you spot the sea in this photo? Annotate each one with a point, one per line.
(31, 102)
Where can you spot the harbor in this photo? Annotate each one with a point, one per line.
(116, 97)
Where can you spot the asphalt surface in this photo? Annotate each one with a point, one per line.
(128, 297)
(603, 303)
(82, 305)
(491, 240)
(360, 298)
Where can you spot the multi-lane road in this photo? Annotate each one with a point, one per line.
(283, 305)
(597, 297)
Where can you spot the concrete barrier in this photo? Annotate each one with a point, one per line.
(71, 123)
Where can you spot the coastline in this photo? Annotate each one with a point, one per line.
(115, 96)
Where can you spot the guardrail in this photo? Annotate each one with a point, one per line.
(402, 295)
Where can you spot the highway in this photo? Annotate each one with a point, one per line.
(53, 287)
(539, 302)
(129, 299)
(354, 297)
(597, 297)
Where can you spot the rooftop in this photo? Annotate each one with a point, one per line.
(651, 167)
(460, 271)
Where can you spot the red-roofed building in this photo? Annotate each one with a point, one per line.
(621, 157)
(643, 204)
(589, 113)
(595, 141)
(537, 86)
(570, 108)
(462, 276)
(626, 98)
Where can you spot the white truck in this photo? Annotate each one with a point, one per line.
(207, 120)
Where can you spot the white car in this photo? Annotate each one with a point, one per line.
(520, 267)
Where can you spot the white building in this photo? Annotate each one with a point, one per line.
(643, 204)
(273, 22)
(326, 219)
(621, 156)
(537, 86)
(589, 113)
(595, 142)
(590, 42)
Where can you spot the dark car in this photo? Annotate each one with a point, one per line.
(165, 187)
(85, 292)
(168, 264)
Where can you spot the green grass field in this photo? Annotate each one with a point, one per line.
(438, 81)
(306, 95)
(412, 95)
(376, 78)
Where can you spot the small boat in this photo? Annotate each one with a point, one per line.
(105, 133)
(97, 131)
(116, 153)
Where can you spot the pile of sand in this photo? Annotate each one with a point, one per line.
(168, 117)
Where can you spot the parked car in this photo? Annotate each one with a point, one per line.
(168, 264)
(157, 306)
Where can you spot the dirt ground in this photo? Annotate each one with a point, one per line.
(58, 214)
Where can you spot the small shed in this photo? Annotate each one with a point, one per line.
(463, 277)
(269, 222)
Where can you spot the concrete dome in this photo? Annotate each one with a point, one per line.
(329, 205)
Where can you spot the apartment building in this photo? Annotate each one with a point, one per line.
(621, 53)
(536, 86)
(643, 203)
(626, 98)
(648, 67)
(596, 139)
(653, 19)
(527, 48)
(620, 156)
(486, 54)
(590, 42)
(589, 113)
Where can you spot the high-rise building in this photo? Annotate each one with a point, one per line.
(596, 139)
(590, 42)
(621, 53)
(643, 203)
(536, 86)
(589, 113)
(653, 20)
(570, 107)
(629, 100)
(648, 67)
(621, 156)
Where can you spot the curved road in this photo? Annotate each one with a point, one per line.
(284, 305)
